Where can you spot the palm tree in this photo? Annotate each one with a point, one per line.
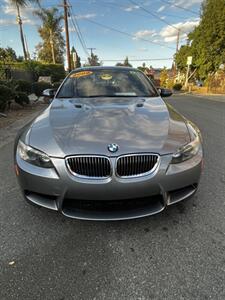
(20, 4)
(50, 31)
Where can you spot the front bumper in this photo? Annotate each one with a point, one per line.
(113, 198)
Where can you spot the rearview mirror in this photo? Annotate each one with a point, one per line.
(165, 92)
(50, 93)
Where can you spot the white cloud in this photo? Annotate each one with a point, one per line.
(169, 34)
(144, 34)
(87, 16)
(156, 41)
(26, 13)
(161, 8)
(8, 21)
(131, 8)
(143, 49)
(187, 4)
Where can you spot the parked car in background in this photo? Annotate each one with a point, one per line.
(199, 83)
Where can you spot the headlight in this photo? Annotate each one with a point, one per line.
(33, 156)
(188, 151)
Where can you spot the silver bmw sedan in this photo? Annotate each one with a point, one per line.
(108, 148)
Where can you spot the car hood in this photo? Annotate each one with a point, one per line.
(87, 126)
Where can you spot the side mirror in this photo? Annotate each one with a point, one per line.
(165, 92)
(50, 93)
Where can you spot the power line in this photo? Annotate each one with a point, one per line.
(152, 14)
(79, 36)
(77, 30)
(123, 7)
(91, 48)
(127, 34)
(178, 6)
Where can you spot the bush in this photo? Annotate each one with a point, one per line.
(177, 86)
(169, 83)
(23, 86)
(6, 94)
(9, 84)
(56, 85)
(21, 98)
(3, 82)
(39, 87)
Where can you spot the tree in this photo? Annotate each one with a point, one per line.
(143, 68)
(93, 60)
(164, 77)
(207, 40)
(7, 54)
(125, 63)
(51, 50)
(21, 4)
(181, 57)
(75, 59)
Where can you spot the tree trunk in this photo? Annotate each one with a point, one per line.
(52, 46)
(21, 31)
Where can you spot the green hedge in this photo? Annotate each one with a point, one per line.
(56, 71)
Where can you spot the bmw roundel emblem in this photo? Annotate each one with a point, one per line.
(113, 147)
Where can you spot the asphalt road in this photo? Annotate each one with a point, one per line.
(178, 254)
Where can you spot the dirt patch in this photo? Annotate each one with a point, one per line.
(20, 113)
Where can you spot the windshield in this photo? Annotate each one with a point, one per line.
(107, 83)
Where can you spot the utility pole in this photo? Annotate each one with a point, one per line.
(52, 46)
(91, 50)
(65, 5)
(27, 50)
(178, 39)
(177, 48)
(19, 20)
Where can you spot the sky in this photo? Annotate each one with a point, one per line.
(144, 30)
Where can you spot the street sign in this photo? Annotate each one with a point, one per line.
(189, 60)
